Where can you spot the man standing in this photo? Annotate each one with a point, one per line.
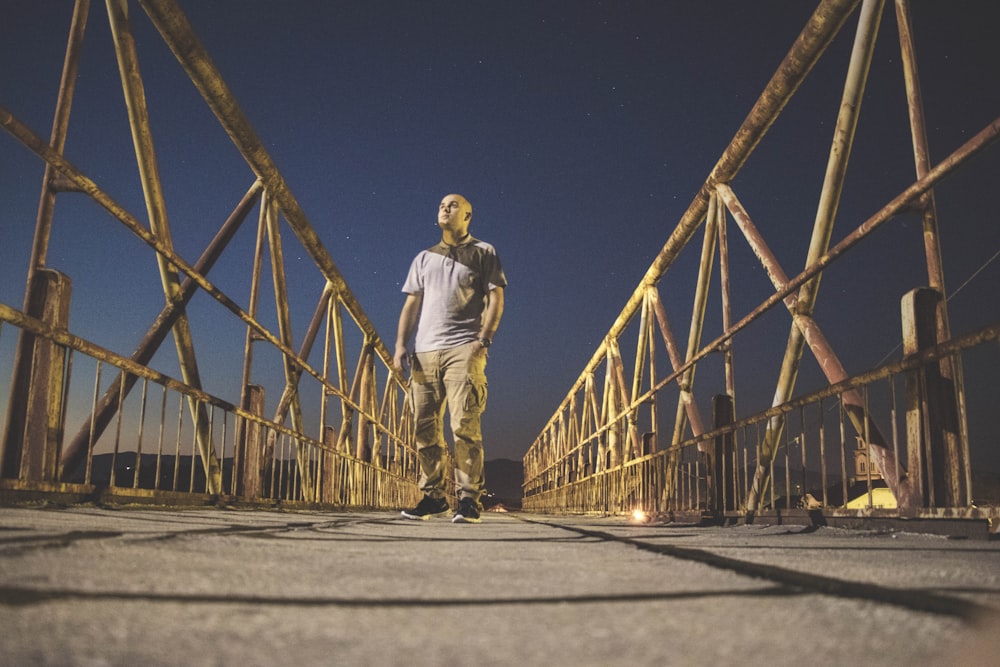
(454, 301)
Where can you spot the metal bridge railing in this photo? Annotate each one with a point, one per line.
(820, 463)
(151, 450)
(612, 446)
(339, 426)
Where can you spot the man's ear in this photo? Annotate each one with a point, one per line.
(468, 216)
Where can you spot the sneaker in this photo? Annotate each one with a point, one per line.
(428, 507)
(467, 512)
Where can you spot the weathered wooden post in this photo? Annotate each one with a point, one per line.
(33, 436)
(250, 447)
(328, 467)
(935, 463)
(720, 456)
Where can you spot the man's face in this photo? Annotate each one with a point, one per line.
(454, 214)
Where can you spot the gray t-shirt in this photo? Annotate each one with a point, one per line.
(454, 282)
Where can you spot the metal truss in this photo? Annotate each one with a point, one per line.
(359, 452)
(609, 448)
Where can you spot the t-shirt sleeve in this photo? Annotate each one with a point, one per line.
(493, 271)
(414, 280)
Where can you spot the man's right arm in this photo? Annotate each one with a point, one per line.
(407, 323)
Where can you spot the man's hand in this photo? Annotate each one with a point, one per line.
(407, 323)
(482, 348)
(400, 358)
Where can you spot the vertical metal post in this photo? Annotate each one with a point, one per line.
(576, 431)
(651, 343)
(609, 453)
(385, 412)
(258, 260)
(697, 316)
(561, 447)
(60, 126)
(639, 370)
(589, 417)
(727, 319)
(337, 317)
(366, 380)
(349, 411)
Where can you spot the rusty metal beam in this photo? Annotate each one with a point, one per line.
(623, 399)
(305, 349)
(678, 365)
(62, 337)
(75, 452)
(808, 329)
(60, 127)
(61, 176)
(951, 369)
(909, 362)
(833, 183)
(290, 395)
(609, 489)
(17, 406)
(816, 36)
(22, 133)
(901, 202)
(142, 137)
(255, 272)
(697, 323)
(727, 312)
(180, 37)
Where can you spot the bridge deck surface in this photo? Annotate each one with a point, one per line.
(94, 586)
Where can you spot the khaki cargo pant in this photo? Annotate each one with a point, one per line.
(452, 379)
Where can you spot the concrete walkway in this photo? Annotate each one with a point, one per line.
(90, 586)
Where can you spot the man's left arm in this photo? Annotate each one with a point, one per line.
(492, 314)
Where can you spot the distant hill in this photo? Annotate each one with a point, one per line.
(986, 488)
(504, 478)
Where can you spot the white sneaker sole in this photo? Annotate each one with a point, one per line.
(425, 517)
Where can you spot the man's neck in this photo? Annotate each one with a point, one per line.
(454, 238)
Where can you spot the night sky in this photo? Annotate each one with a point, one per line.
(579, 130)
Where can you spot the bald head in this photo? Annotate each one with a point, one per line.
(454, 215)
(462, 202)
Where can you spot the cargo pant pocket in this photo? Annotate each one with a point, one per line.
(475, 396)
